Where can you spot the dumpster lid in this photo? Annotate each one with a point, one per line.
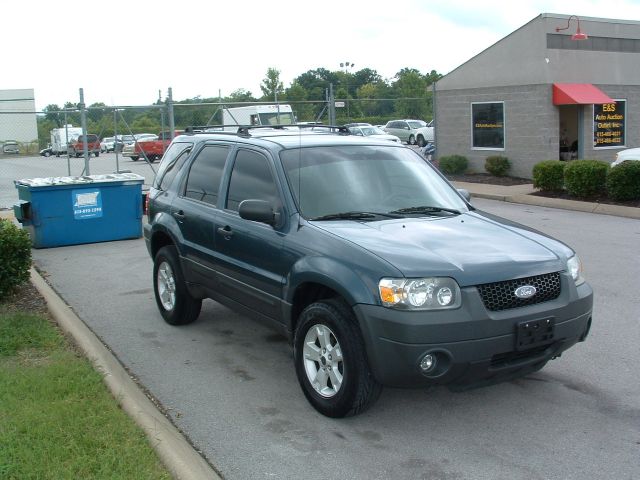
(49, 181)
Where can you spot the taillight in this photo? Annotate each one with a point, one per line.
(146, 203)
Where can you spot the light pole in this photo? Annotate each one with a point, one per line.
(347, 67)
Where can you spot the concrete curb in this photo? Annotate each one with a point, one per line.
(576, 205)
(180, 458)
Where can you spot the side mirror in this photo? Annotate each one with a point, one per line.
(258, 211)
(465, 194)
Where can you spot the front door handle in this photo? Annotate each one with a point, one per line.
(226, 232)
(179, 215)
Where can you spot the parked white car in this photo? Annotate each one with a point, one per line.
(373, 132)
(628, 154)
(107, 144)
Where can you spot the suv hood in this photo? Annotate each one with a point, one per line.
(473, 248)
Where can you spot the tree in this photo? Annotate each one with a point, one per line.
(271, 84)
(52, 114)
(410, 84)
(241, 95)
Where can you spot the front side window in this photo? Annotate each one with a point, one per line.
(172, 160)
(203, 183)
(251, 178)
(487, 125)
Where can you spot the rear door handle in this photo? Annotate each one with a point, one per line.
(179, 215)
(226, 232)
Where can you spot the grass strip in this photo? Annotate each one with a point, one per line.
(57, 418)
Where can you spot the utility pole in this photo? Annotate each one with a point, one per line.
(83, 123)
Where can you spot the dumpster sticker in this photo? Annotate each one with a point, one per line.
(87, 203)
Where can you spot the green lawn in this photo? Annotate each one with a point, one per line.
(57, 418)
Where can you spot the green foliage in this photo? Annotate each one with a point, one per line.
(497, 165)
(623, 181)
(586, 178)
(549, 175)
(271, 84)
(15, 257)
(453, 164)
(406, 95)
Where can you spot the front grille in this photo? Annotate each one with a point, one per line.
(501, 295)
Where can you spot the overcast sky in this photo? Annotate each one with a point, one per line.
(124, 52)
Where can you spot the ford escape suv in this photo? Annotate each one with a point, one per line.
(376, 268)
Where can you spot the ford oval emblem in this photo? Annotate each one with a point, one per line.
(525, 291)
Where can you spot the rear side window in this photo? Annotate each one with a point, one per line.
(172, 160)
(203, 182)
(251, 178)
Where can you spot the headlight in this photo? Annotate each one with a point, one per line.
(419, 293)
(574, 266)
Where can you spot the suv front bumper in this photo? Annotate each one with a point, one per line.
(472, 346)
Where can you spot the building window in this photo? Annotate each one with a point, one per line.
(487, 125)
(609, 124)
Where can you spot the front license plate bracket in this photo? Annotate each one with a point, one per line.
(534, 333)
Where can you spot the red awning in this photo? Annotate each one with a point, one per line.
(579, 94)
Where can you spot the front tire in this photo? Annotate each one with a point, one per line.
(421, 141)
(174, 301)
(331, 362)
(135, 159)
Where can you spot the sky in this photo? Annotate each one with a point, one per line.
(128, 52)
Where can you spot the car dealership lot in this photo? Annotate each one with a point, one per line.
(230, 385)
(18, 167)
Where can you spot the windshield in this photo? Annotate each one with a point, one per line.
(364, 178)
(275, 118)
(372, 131)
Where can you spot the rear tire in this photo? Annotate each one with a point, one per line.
(421, 142)
(331, 362)
(412, 140)
(135, 159)
(97, 154)
(174, 301)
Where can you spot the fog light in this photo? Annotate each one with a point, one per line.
(428, 363)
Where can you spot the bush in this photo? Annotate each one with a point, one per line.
(497, 165)
(15, 257)
(623, 181)
(549, 175)
(453, 164)
(586, 178)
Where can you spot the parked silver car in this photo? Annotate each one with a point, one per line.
(411, 131)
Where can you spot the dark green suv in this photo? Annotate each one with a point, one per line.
(364, 256)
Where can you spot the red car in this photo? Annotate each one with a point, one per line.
(76, 147)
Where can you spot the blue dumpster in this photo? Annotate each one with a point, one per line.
(72, 210)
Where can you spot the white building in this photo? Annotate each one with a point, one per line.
(17, 116)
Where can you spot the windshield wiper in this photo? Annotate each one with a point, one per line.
(356, 216)
(426, 210)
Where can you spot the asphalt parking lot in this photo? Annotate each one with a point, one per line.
(18, 167)
(230, 386)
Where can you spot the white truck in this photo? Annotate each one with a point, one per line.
(60, 137)
(258, 115)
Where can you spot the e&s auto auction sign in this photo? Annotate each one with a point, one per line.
(608, 124)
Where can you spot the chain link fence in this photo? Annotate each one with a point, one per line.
(45, 143)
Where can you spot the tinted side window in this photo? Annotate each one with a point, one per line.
(170, 166)
(205, 174)
(251, 179)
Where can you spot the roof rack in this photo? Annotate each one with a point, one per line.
(245, 130)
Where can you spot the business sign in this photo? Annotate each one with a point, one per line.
(487, 125)
(339, 104)
(87, 203)
(609, 124)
